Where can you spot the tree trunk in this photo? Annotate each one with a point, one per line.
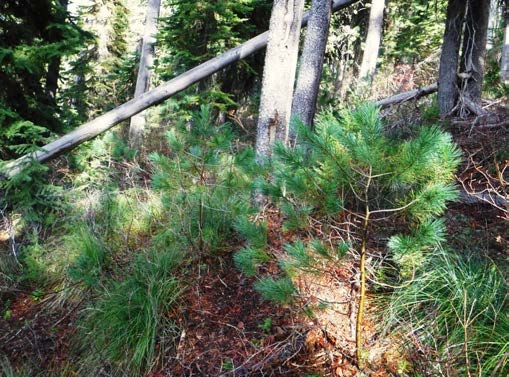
(475, 37)
(504, 71)
(137, 126)
(373, 39)
(53, 73)
(447, 76)
(310, 71)
(278, 75)
(153, 97)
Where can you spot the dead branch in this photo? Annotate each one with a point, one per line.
(407, 96)
(153, 97)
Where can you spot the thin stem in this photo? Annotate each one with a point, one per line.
(362, 267)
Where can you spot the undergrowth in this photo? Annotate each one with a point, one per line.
(453, 317)
(352, 189)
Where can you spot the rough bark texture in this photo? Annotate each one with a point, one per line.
(137, 126)
(155, 96)
(310, 70)
(278, 75)
(447, 77)
(504, 71)
(475, 38)
(373, 38)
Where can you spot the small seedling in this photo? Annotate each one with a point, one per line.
(266, 325)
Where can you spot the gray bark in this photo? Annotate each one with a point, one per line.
(311, 66)
(504, 71)
(373, 39)
(278, 75)
(475, 38)
(137, 126)
(447, 77)
(407, 96)
(155, 96)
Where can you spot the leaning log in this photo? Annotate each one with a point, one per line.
(407, 96)
(153, 97)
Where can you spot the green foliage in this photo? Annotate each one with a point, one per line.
(492, 85)
(410, 251)
(266, 325)
(32, 48)
(281, 291)
(413, 31)
(88, 266)
(351, 165)
(345, 158)
(255, 234)
(28, 193)
(248, 259)
(457, 306)
(211, 29)
(127, 318)
(204, 184)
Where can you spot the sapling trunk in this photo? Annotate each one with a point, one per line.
(362, 294)
(362, 272)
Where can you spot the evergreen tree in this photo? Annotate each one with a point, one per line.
(34, 37)
(211, 27)
(311, 66)
(352, 166)
(278, 76)
(373, 41)
(413, 32)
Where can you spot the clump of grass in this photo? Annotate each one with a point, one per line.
(92, 254)
(457, 309)
(125, 321)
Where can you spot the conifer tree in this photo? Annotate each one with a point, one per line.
(353, 166)
(210, 29)
(204, 185)
(278, 76)
(310, 70)
(373, 40)
(137, 125)
(34, 36)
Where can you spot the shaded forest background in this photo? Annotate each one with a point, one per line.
(359, 240)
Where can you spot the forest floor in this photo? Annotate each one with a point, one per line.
(227, 329)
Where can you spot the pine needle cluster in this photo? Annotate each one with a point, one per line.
(204, 183)
(351, 164)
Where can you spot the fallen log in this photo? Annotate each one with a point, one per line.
(407, 96)
(153, 97)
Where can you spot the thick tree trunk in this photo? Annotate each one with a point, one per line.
(447, 77)
(310, 70)
(373, 39)
(137, 126)
(155, 96)
(504, 71)
(475, 37)
(278, 75)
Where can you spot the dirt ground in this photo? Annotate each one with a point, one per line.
(227, 329)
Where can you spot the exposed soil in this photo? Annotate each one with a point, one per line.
(227, 329)
(33, 334)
